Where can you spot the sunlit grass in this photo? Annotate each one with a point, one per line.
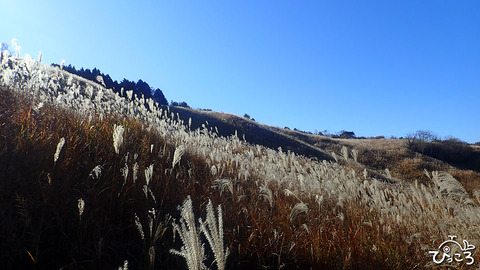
(109, 193)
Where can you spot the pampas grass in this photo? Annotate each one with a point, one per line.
(96, 172)
(148, 174)
(282, 209)
(118, 131)
(213, 231)
(212, 228)
(139, 227)
(59, 149)
(192, 250)
(179, 151)
(297, 210)
(450, 186)
(221, 184)
(355, 155)
(345, 153)
(81, 207)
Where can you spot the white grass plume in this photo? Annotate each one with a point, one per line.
(335, 156)
(355, 155)
(5, 56)
(118, 131)
(135, 172)
(149, 174)
(298, 209)
(192, 250)
(221, 184)
(59, 149)
(100, 80)
(96, 173)
(345, 153)
(125, 266)
(267, 194)
(179, 151)
(139, 226)
(450, 186)
(151, 257)
(124, 172)
(213, 231)
(81, 207)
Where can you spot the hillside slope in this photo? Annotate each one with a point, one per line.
(253, 132)
(374, 155)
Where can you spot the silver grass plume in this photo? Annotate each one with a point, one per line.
(100, 80)
(267, 194)
(124, 172)
(335, 157)
(345, 153)
(213, 170)
(213, 231)
(125, 266)
(476, 194)
(355, 155)
(148, 174)
(450, 186)
(5, 56)
(96, 173)
(145, 191)
(289, 193)
(298, 209)
(389, 175)
(319, 200)
(221, 184)
(130, 94)
(135, 172)
(38, 106)
(151, 256)
(139, 226)
(179, 151)
(427, 173)
(118, 131)
(59, 149)
(81, 207)
(192, 250)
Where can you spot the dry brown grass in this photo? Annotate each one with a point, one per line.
(469, 179)
(284, 211)
(41, 226)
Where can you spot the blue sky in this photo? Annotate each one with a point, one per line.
(372, 67)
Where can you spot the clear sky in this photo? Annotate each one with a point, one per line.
(372, 67)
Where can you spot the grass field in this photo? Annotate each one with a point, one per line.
(112, 193)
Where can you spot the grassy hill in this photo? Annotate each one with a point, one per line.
(374, 154)
(90, 180)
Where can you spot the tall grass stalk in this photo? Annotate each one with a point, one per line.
(192, 250)
(59, 149)
(213, 231)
